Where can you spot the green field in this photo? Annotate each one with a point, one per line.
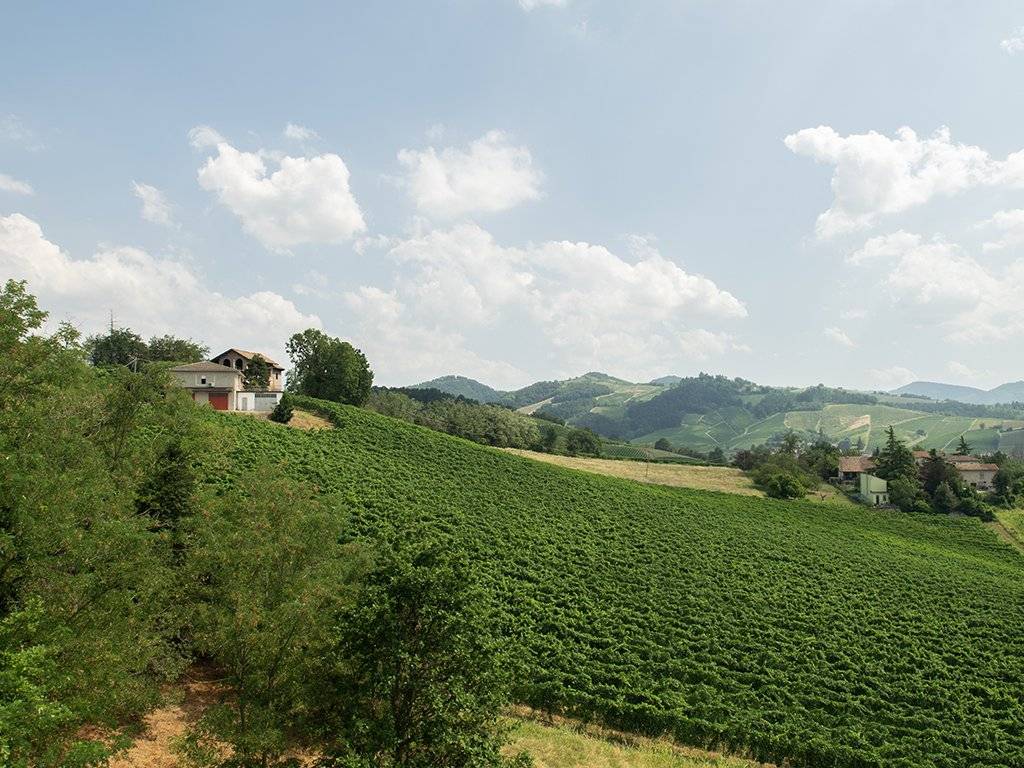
(1012, 443)
(818, 634)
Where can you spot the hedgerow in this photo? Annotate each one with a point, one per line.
(818, 635)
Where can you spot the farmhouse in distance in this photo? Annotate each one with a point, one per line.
(221, 382)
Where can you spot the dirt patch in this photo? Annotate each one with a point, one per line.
(154, 748)
(307, 420)
(859, 423)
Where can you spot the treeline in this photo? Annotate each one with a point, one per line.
(120, 566)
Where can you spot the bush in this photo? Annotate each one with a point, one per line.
(783, 485)
(283, 411)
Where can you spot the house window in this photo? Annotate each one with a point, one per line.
(202, 380)
(226, 362)
(238, 364)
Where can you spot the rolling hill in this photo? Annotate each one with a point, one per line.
(464, 387)
(814, 634)
(1004, 393)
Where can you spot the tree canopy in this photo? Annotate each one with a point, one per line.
(328, 368)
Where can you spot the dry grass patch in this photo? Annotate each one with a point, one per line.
(565, 745)
(726, 479)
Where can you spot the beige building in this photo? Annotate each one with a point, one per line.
(210, 384)
(873, 490)
(239, 359)
(851, 468)
(977, 474)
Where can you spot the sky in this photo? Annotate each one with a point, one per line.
(516, 190)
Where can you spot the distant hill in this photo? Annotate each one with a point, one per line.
(666, 381)
(462, 385)
(1004, 393)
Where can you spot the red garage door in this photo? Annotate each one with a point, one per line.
(219, 401)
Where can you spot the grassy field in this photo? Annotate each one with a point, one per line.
(815, 633)
(1012, 443)
(566, 746)
(726, 479)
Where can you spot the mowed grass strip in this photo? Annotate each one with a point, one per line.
(725, 479)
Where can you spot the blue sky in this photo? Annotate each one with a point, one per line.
(513, 190)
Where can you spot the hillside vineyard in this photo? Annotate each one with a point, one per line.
(816, 634)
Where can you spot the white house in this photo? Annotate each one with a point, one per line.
(239, 359)
(221, 387)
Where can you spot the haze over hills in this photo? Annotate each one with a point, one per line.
(708, 412)
(1004, 393)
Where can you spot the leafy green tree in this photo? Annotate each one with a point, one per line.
(790, 443)
(663, 444)
(328, 368)
(121, 346)
(394, 404)
(421, 678)
(582, 441)
(268, 573)
(783, 485)
(549, 438)
(171, 349)
(937, 471)
(257, 373)
(905, 494)
(963, 448)
(716, 455)
(895, 459)
(283, 411)
(822, 459)
(87, 594)
(944, 501)
(168, 495)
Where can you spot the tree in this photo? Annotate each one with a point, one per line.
(582, 441)
(964, 448)
(662, 444)
(257, 373)
(168, 495)
(895, 460)
(716, 455)
(121, 346)
(328, 368)
(171, 349)
(420, 677)
(935, 471)
(548, 438)
(783, 485)
(790, 443)
(906, 496)
(944, 501)
(268, 574)
(283, 411)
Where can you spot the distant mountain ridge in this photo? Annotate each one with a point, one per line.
(1004, 393)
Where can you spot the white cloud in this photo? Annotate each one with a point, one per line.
(18, 187)
(149, 294)
(1011, 225)
(490, 175)
(155, 206)
(578, 304)
(299, 133)
(529, 5)
(875, 175)
(891, 378)
(839, 336)
(1015, 43)
(946, 287)
(306, 200)
(203, 136)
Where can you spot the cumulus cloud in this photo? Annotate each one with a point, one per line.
(875, 175)
(891, 378)
(18, 187)
(1014, 44)
(968, 301)
(490, 175)
(962, 371)
(579, 304)
(1010, 225)
(306, 200)
(149, 294)
(300, 133)
(839, 336)
(155, 206)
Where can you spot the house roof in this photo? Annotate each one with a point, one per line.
(923, 454)
(856, 463)
(958, 459)
(247, 355)
(205, 367)
(976, 466)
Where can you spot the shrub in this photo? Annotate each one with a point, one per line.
(283, 411)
